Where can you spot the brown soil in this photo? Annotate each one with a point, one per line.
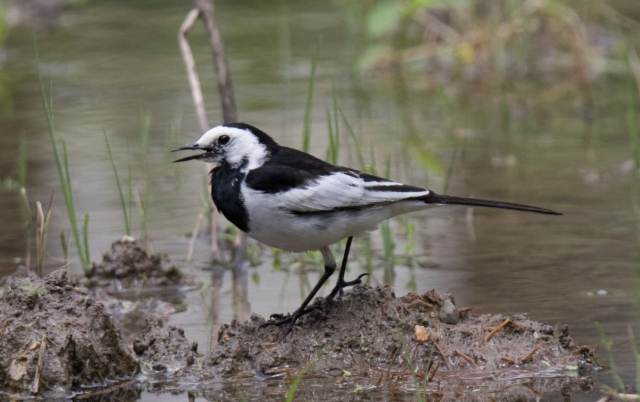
(128, 265)
(165, 350)
(55, 339)
(370, 327)
(134, 284)
(371, 337)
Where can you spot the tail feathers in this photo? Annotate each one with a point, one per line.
(473, 202)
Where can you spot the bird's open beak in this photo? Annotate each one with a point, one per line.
(192, 147)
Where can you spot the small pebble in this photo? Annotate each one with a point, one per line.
(422, 335)
(449, 313)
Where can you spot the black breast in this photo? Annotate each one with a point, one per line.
(225, 191)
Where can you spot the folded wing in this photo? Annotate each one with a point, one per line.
(302, 191)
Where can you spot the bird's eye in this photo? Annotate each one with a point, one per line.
(223, 140)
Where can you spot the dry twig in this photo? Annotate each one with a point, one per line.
(434, 372)
(36, 380)
(194, 236)
(106, 391)
(529, 355)
(467, 358)
(497, 329)
(444, 356)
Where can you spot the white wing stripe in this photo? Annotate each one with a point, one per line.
(381, 183)
(340, 190)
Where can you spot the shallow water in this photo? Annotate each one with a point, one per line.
(114, 63)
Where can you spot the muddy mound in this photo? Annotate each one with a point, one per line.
(55, 339)
(130, 317)
(128, 265)
(372, 334)
(164, 350)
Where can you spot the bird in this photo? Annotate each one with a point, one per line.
(291, 200)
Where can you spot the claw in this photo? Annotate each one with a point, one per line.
(280, 319)
(338, 289)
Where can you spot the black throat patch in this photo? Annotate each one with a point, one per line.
(226, 193)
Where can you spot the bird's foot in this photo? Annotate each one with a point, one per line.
(281, 319)
(338, 290)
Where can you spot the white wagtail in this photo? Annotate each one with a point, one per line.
(291, 200)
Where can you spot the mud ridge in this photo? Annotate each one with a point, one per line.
(128, 265)
(373, 338)
(55, 339)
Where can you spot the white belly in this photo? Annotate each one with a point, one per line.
(278, 228)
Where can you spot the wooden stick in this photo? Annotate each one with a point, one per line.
(198, 102)
(36, 380)
(467, 358)
(229, 110)
(190, 65)
(105, 391)
(497, 329)
(444, 356)
(434, 372)
(393, 359)
(530, 354)
(194, 236)
(225, 86)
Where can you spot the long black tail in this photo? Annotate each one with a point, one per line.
(473, 202)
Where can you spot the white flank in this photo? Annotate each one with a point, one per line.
(274, 222)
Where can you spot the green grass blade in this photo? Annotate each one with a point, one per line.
(332, 152)
(420, 397)
(130, 190)
(355, 139)
(145, 121)
(374, 169)
(123, 205)
(71, 208)
(335, 116)
(26, 210)
(306, 133)
(387, 169)
(634, 349)
(632, 123)
(612, 364)
(22, 161)
(85, 236)
(143, 216)
(64, 241)
(292, 390)
(61, 165)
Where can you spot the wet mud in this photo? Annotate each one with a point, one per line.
(129, 266)
(135, 285)
(375, 342)
(55, 339)
(164, 350)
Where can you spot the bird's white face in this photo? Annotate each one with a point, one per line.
(230, 145)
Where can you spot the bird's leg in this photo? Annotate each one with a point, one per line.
(329, 269)
(341, 284)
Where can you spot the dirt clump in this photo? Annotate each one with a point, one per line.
(56, 339)
(128, 265)
(372, 334)
(164, 350)
(135, 284)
